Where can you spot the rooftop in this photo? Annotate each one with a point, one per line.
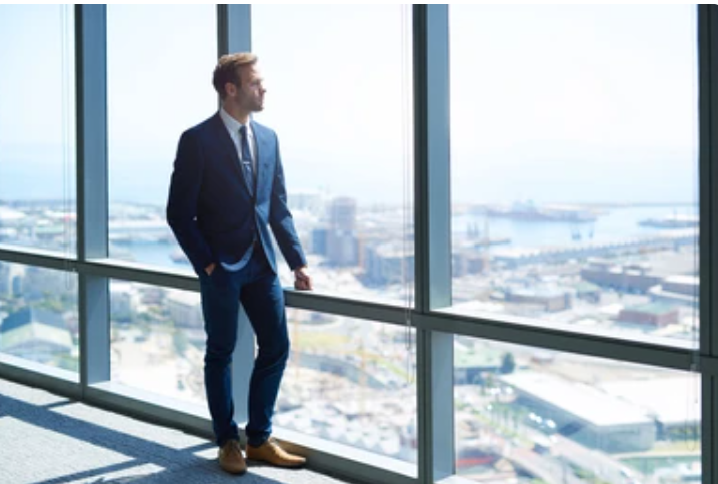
(656, 308)
(673, 400)
(589, 404)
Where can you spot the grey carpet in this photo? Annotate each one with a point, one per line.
(48, 439)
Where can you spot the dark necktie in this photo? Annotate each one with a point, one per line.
(246, 159)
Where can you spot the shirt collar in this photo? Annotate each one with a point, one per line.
(232, 124)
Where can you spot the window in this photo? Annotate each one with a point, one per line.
(352, 382)
(159, 66)
(38, 315)
(574, 167)
(558, 416)
(157, 340)
(37, 116)
(339, 102)
(574, 206)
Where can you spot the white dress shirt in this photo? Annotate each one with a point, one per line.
(233, 127)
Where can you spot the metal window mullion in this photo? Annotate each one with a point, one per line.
(708, 110)
(708, 181)
(234, 28)
(92, 197)
(234, 34)
(433, 240)
(709, 414)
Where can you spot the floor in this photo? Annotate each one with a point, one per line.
(49, 439)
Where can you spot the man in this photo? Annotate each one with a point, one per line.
(226, 188)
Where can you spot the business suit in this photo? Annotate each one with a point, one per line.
(218, 214)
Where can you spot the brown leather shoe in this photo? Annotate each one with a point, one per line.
(231, 458)
(271, 452)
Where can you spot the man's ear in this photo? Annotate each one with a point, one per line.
(230, 89)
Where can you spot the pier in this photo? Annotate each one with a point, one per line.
(515, 257)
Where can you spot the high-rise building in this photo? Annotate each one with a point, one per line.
(342, 244)
(342, 214)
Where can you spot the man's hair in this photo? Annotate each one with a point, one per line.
(227, 70)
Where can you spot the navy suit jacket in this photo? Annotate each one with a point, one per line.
(210, 208)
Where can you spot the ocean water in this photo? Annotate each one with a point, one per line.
(615, 224)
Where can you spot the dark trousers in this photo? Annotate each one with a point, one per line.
(258, 289)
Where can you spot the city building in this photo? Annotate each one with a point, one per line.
(686, 285)
(589, 292)
(342, 248)
(6, 288)
(36, 334)
(342, 244)
(388, 263)
(677, 290)
(621, 278)
(342, 214)
(549, 299)
(661, 400)
(655, 314)
(123, 301)
(597, 419)
(320, 238)
(470, 366)
(185, 309)
(468, 262)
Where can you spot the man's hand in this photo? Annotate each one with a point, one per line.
(302, 281)
(209, 269)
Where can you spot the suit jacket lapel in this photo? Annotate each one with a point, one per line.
(226, 146)
(263, 161)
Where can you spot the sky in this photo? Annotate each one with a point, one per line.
(551, 103)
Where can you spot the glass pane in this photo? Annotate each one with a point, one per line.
(574, 167)
(351, 382)
(526, 415)
(157, 340)
(343, 376)
(37, 122)
(340, 102)
(175, 50)
(38, 315)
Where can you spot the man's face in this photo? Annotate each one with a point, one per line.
(250, 95)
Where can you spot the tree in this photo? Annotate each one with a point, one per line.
(508, 364)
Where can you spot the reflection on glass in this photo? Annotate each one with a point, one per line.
(37, 119)
(157, 340)
(38, 315)
(574, 167)
(526, 415)
(148, 112)
(350, 382)
(339, 102)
